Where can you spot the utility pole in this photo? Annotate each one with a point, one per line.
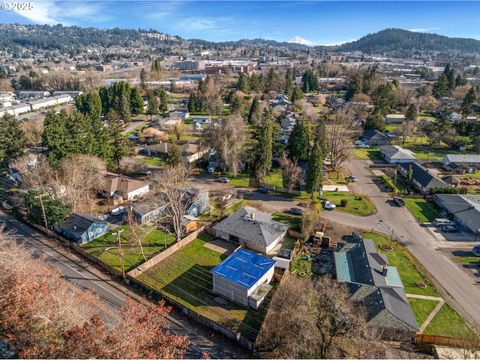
(120, 251)
(396, 179)
(43, 210)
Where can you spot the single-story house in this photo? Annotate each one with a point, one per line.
(420, 177)
(462, 163)
(377, 285)
(148, 210)
(244, 278)
(152, 134)
(373, 137)
(455, 117)
(451, 180)
(202, 119)
(394, 118)
(288, 123)
(199, 201)
(182, 115)
(82, 228)
(128, 189)
(464, 210)
(189, 152)
(159, 150)
(253, 228)
(394, 154)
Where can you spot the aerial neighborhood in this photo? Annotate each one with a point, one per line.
(237, 199)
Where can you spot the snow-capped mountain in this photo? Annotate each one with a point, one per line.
(299, 40)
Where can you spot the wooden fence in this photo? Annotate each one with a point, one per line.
(166, 253)
(446, 341)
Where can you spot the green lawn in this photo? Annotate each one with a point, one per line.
(421, 209)
(421, 309)
(185, 277)
(274, 178)
(215, 212)
(467, 259)
(449, 323)
(403, 261)
(152, 161)
(366, 154)
(294, 221)
(241, 180)
(357, 204)
(106, 247)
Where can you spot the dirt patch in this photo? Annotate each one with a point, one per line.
(221, 246)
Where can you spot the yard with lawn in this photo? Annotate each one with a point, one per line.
(241, 180)
(105, 247)
(356, 204)
(423, 210)
(152, 161)
(274, 178)
(367, 154)
(447, 322)
(185, 277)
(216, 212)
(294, 221)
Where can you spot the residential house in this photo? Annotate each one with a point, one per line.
(244, 278)
(462, 163)
(420, 177)
(151, 135)
(464, 210)
(455, 117)
(288, 123)
(202, 119)
(199, 201)
(373, 137)
(148, 210)
(394, 118)
(394, 154)
(128, 189)
(253, 228)
(377, 285)
(181, 115)
(192, 152)
(82, 228)
(158, 150)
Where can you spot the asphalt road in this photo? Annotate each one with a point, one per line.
(457, 284)
(113, 295)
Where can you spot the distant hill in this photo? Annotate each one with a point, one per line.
(398, 41)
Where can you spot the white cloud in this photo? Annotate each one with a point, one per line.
(206, 23)
(160, 10)
(424, 29)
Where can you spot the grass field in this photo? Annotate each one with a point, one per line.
(294, 221)
(448, 322)
(357, 204)
(106, 247)
(185, 277)
(421, 309)
(241, 180)
(274, 178)
(421, 209)
(152, 161)
(366, 154)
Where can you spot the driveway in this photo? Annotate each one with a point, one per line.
(391, 220)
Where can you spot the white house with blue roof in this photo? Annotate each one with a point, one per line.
(244, 278)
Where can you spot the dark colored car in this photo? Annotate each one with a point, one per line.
(450, 229)
(296, 211)
(398, 201)
(264, 190)
(223, 180)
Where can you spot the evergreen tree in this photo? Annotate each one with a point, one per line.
(271, 80)
(355, 86)
(440, 87)
(117, 140)
(152, 106)
(314, 177)
(254, 110)
(143, 78)
(309, 81)
(375, 121)
(411, 114)
(289, 83)
(263, 150)
(173, 157)
(136, 101)
(89, 104)
(469, 101)
(12, 139)
(297, 94)
(450, 75)
(243, 83)
(163, 107)
(299, 142)
(55, 137)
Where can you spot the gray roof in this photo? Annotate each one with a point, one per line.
(148, 205)
(424, 177)
(466, 208)
(77, 223)
(462, 158)
(254, 226)
(397, 152)
(386, 307)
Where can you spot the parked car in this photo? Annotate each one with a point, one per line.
(146, 172)
(296, 211)
(450, 229)
(211, 170)
(327, 205)
(476, 250)
(351, 178)
(223, 180)
(263, 190)
(361, 144)
(441, 222)
(398, 201)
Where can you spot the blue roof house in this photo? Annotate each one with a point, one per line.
(244, 278)
(82, 228)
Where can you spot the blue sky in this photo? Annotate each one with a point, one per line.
(321, 22)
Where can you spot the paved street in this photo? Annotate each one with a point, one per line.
(112, 294)
(416, 238)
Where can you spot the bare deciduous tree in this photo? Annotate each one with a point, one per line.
(33, 131)
(131, 165)
(311, 222)
(228, 139)
(170, 188)
(339, 144)
(291, 173)
(315, 319)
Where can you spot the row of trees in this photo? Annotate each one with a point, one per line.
(45, 317)
(207, 99)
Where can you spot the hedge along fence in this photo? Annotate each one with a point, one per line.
(166, 253)
(446, 341)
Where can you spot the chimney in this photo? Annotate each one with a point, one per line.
(384, 270)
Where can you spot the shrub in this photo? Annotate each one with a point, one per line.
(388, 183)
(344, 203)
